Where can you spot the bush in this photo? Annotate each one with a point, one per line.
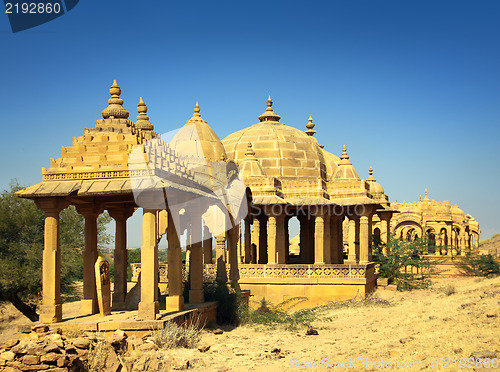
(404, 263)
(449, 290)
(479, 265)
(173, 335)
(230, 308)
(275, 316)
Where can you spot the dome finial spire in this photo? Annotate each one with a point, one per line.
(143, 119)
(197, 110)
(115, 109)
(250, 153)
(344, 154)
(310, 125)
(269, 115)
(370, 177)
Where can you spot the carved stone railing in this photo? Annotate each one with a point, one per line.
(305, 271)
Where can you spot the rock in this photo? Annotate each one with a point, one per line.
(62, 361)
(491, 315)
(19, 349)
(9, 344)
(24, 328)
(406, 340)
(50, 358)
(311, 332)
(30, 359)
(276, 350)
(204, 348)
(457, 350)
(133, 343)
(81, 343)
(57, 339)
(57, 370)
(218, 331)
(152, 361)
(34, 349)
(147, 346)
(7, 356)
(179, 364)
(11, 369)
(34, 367)
(483, 354)
(40, 328)
(51, 347)
(105, 358)
(118, 339)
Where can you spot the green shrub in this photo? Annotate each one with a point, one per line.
(404, 263)
(479, 265)
(230, 307)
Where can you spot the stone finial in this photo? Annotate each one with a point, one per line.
(115, 109)
(269, 115)
(310, 125)
(250, 153)
(370, 177)
(420, 198)
(142, 119)
(197, 110)
(344, 154)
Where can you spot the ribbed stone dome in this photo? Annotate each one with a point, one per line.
(282, 151)
(197, 140)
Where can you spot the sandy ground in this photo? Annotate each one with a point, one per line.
(429, 328)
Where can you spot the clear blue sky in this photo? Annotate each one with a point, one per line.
(411, 87)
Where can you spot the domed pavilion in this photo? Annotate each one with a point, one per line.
(449, 230)
(244, 191)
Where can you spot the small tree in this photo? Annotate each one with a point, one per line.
(404, 263)
(21, 247)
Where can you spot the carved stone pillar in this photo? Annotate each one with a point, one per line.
(256, 239)
(262, 247)
(175, 299)
(351, 257)
(370, 238)
(335, 252)
(51, 308)
(89, 303)
(319, 240)
(271, 240)
(149, 305)
(220, 257)
(207, 246)
(327, 251)
(120, 215)
(247, 241)
(364, 244)
(196, 295)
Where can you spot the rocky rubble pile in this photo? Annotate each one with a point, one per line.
(39, 349)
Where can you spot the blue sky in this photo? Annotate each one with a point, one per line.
(411, 87)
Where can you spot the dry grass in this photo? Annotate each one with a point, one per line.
(175, 336)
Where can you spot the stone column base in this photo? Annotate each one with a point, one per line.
(174, 303)
(196, 296)
(89, 306)
(148, 310)
(50, 313)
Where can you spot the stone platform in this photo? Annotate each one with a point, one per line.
(127, 320)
